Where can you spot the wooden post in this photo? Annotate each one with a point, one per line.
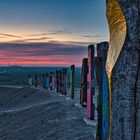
(57, 81)
(53, 82)
(50, 81)
(83, 90)
(90, 91)
(64, 91)
(47, 81)
(60, 81)
(36, 81)
(72, 75)
(43, 81)
(123, 69)
(103, 102)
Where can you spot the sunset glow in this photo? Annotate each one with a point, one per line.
(49, 33)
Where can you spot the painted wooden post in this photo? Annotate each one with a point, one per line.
(105, 93)
(72, 75)
(30, 80)
(43, 81)
(47, 81)
(53, 82)
(90, 91)
(36, 81)
(99, 78)
(60, 81)
(83, 90)
(103, 101)
(64, 91)
(50, 81)
(57, 81)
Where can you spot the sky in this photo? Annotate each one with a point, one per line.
(50, 32)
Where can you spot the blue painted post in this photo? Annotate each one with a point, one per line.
(47, 81)
(103, 101)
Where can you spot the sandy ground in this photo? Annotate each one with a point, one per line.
(34, 114)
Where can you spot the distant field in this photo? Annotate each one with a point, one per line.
(16, 75)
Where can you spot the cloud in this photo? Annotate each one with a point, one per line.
(63, 31)
(31, 40)
(41, 49)
(82, 43)
(41, 53)
(53, 32)
(92, 36)
(10, 35)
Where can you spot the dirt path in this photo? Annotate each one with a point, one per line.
(34, 114)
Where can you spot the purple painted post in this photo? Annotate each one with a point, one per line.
(90, 91)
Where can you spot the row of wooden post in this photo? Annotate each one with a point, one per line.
(56, 81)
(94, 78)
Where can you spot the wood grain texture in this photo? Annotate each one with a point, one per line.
(124, 71)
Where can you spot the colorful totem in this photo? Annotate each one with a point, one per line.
(64, 85)
(72, 75)
(90, 91)
(83, 90)
(103, 97)
(123, 69)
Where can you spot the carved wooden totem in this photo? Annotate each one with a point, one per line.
(123, 69)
